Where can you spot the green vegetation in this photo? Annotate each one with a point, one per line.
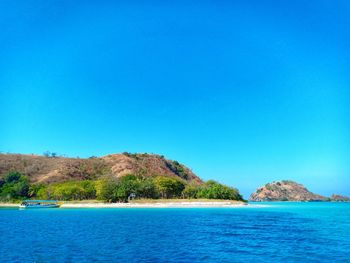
(177, 168)
(215, 190)
(70, 190)
(212, 190)
(15, 186)
(169, 187)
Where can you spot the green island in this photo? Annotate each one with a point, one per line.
(177, 184)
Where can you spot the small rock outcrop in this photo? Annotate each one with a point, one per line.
(284, 191)
(340, 198)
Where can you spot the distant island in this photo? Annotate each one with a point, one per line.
(340, 198)
(111, 178)
(287, 190)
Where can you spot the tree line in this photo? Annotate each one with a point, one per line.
(15, 186)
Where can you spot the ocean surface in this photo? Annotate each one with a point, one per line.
(263, 232)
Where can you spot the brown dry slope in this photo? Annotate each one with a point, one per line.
(48, 169)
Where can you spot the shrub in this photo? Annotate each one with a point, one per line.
(177, 168)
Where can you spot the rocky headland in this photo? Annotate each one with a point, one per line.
(287, 190)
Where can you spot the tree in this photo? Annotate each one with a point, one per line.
(14, 186)
(127, 185)
(169, 187)
(2, 182)
(34, 189)
(147, 189)
(215, 190)
(105, 190)
(12, 176)
(190, 191)
(112, 190)
(71, 190)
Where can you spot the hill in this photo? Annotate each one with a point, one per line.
(46, 169)
(285, 191)
(111, 178)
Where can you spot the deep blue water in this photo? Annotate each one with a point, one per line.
(279, 232)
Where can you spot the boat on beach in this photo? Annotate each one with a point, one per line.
(39, 204)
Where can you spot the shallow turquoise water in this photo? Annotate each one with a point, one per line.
(277, 232)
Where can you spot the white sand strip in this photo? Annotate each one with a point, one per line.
(154, 205)
(9, 205)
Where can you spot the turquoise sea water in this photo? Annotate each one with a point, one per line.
(267, 232)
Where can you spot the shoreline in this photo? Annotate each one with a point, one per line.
(184, 204)
(8, 205)
(162, 204)
(172, 203)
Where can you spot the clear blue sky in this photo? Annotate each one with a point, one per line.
(244, 92)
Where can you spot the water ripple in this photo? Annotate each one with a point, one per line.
(274, 233)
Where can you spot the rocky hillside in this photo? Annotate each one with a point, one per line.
(284, 191)
(340, 198)
(57, 169)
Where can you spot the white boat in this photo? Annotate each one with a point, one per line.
(39, 204)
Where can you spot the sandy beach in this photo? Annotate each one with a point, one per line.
(160, 204)
(8, 205)
(183, 204)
